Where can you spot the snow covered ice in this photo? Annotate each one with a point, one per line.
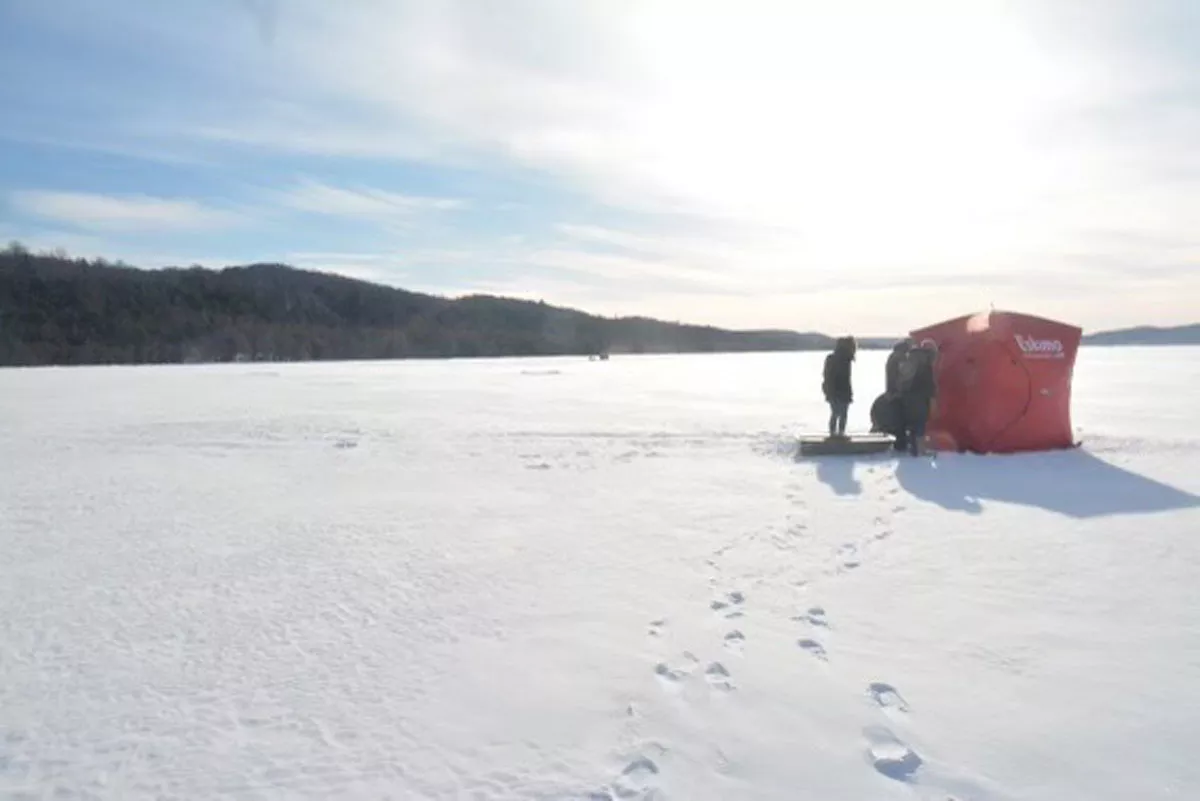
(563, 579)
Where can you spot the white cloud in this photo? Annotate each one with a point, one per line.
(361, 202)
(120, 212)
(377, 267)
(874, 134)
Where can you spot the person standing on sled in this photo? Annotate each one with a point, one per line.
(836, 384)
(918, 390)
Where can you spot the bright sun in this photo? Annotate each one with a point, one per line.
(876, 134)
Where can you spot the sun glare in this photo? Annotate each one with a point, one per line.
(878, 133)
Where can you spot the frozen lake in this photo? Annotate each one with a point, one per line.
(563, 579)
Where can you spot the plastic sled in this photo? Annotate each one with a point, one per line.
(849, 445)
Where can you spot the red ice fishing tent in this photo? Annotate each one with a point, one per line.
(1004, 382)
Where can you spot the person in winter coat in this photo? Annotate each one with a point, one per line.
(918, 390)
(892, 368)
(837, 385)
(891, 398)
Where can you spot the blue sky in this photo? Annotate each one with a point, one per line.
(859, 166)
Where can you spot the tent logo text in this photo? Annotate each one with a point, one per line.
(1040, 348)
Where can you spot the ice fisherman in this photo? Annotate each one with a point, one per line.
(887, 412)
(892, 368)
(837, 384)
(917, 388)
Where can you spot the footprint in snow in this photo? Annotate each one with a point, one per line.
(672, 675)
(715, 674)
(668, 673)
(730, 605)
(890, 755)
(642, 766)
(815, 616)
(656, 627)
(718, 676)
(887, 696)
(813, 647)
(734, 641)
(636, 781)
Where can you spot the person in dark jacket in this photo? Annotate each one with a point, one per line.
(891, 394)
(892, 368)
(918, 390)
(837, 385)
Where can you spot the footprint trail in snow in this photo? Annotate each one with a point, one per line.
(813, 647)
(718, 676)
(890, 755)
(887, 697)
(730, 606)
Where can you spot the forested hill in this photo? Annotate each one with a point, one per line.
(1148, 335)
(57, 310)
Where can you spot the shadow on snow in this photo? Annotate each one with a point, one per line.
(1073, 483)
(838, 473)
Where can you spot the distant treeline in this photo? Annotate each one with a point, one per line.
(1148, 335)
(59, 310)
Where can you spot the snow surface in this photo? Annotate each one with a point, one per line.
(562, 579)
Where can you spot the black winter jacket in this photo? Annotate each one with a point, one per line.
(892, 371)
(837, 379)
(923, 386)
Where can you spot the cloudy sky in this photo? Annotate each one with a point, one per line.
(844, 165)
